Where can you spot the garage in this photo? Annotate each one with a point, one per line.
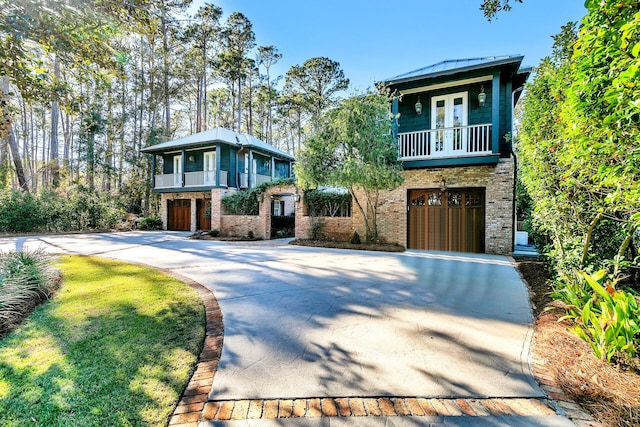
(179, 215)
(447, 220)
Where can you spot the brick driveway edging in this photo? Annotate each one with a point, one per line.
(196, 394)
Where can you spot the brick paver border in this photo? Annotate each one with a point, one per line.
(374, 407)
(196, 394)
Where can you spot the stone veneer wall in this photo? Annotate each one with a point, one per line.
(498, 181)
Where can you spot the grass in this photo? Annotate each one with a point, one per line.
(116, 346)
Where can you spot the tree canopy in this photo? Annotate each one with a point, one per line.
(353, 147)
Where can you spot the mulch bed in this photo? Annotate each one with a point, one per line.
(610, 392)
(381, 247)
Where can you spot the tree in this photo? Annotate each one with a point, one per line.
(578, 140)
(353, 147)
(319, 80)
(202, 34)
(492, 7)
(237, 39)
(267, 57)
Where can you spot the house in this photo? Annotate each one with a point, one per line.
(453, 122)
(191, 172)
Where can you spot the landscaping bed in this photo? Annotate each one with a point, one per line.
(610, 392)
(382, 247)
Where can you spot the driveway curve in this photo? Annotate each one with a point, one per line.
(303, 323)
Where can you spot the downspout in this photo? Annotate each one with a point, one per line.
(515, 169)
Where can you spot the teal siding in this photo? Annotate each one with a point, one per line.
(282, 169)
(262, 164)
(198, 161)
(225, 162)
(479, 115)
(233, 172)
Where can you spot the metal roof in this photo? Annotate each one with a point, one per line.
(452, 66)
(218, 134)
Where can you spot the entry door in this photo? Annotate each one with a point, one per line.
(449, 116)
(210, 168)
(177, 171)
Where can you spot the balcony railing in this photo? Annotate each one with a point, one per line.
(460, 141)
(191, 179)
(256, 179)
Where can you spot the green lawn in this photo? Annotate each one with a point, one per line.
(115, 347)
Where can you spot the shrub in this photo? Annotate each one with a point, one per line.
(606, 318)
(355, 238)
(316, 227)
(241, 203)
(250, 234)
(150, 223)
(214, 233)
(323, 203)
(26, 279)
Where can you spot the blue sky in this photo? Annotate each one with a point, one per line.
(373, 40)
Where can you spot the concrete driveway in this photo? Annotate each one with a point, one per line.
(306, 322)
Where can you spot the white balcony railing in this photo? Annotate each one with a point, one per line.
(460, 141)
(261, 179)
(169, 180)
(191, 179)
(244, 180)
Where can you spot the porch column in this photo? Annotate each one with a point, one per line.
(250, 182)
(183, 159)
(508, 115)
(495, 114)
(394, 113)
(218, 153)
(273, 168)
(153, 170)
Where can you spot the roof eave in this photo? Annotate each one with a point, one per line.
(497, 63)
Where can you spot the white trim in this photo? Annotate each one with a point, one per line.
(446, 85)
(449, 139)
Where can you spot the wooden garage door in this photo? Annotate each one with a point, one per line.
(448, 220)
(204, 214)
(179, 214)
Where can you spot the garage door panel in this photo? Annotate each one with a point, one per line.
(179, 213)
(448, 220)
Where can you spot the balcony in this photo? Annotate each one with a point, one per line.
(463, 141)
(191, 179)
(256, 179)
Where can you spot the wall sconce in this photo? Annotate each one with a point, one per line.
(296, 197)
(418, 107)
(482, 97)
(443, 185)
(192, 159)
(260, 197)
(273, 198)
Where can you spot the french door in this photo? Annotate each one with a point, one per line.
(177, 171)
(210, 168)
(449, 118)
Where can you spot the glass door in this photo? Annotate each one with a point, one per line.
(177, 171)
(210, 168)
(449, 121)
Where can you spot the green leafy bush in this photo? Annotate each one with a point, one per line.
(324, 203)
(150, 223)
(26, 279)
(76, 208)
(241, 203)
(214, 233)
(606, 318)
(355, 238)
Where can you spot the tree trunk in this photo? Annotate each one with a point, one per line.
(53, 149)
(165, 73)
(6, 132)
(4, 163)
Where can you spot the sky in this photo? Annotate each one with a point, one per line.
(374, 40)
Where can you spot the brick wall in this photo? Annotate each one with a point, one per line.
(240, 225)
(496, 179)
(333, 228)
